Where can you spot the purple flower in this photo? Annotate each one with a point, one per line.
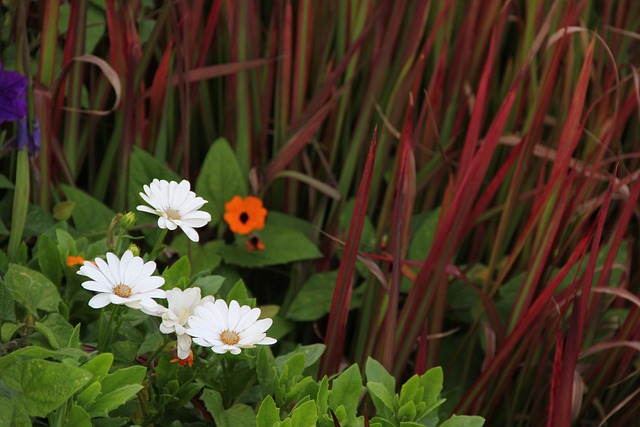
(13, 88)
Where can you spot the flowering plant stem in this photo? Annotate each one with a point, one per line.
(156, 249)
(106, 334)
(158, 350)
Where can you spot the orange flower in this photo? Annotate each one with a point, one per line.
(182, 362)
(244, 215)
(74, 260)
(254, 244)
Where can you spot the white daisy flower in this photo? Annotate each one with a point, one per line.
(176, 317)
(127, 281)
(228, 328)
(176, 205)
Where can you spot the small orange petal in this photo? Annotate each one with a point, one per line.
(254, 244)
(182, 362)
(74, 260)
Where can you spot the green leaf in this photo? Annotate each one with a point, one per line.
(144, 168)
(132, 375)
(311, 353)
(314, 299)
(7, 305)
(106, 403)
(213, 402)
(239, 293)
(463, 421)
(282, 245)
(99, 366)
(266, 370)
(32, 289)
(346, 390)
(407, 412)
(56, 329)
(220, 179)
(203, 257)
(410, 391)
(49, 259)
(383, 400)
(89, 214)
(178, 274)
(210, 285)
(66, 245)
(305, 414)
(268, 414)
(43, 385)
(377, 373)
(62, 211)
(432, 381)
(78, 417)
(13, 414)
(87, 396)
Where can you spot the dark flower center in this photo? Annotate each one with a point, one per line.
(244, 217)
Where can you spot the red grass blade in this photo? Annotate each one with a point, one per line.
(336, 328)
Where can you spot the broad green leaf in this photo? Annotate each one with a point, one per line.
(13, 414)
(7, 331)
(242, 415)
(410, 391)
(78, 417)
(314, 299)
(99, 366)
(220, 179)
(311, 353)
(292, 369)
(213, 402)
(407, 412)
(346, 390)
(282, 245)
(239, 293)
(203, 257)
(266, 370)
(38, 222)
(463, 421)
(32, 289)
(383, 400)
(87, 396)
(107, 402)
(7, 306)
(43, 385)
(432, 381)
(56, 329)
(144, 168)
(62, 211)
(89, 214)
(268, 414)
(49, 258)
(305, 414)
(381, 422)
(178, 274)
(377, 373)
(66, 245)
(209, 285)
(132, 375)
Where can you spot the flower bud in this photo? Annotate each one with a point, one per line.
(128, 220)
(135, 249)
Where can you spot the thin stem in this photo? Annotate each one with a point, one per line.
(154, 252)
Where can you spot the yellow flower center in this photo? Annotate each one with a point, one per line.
(122, 290)
(229, 337)
(172, 214)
